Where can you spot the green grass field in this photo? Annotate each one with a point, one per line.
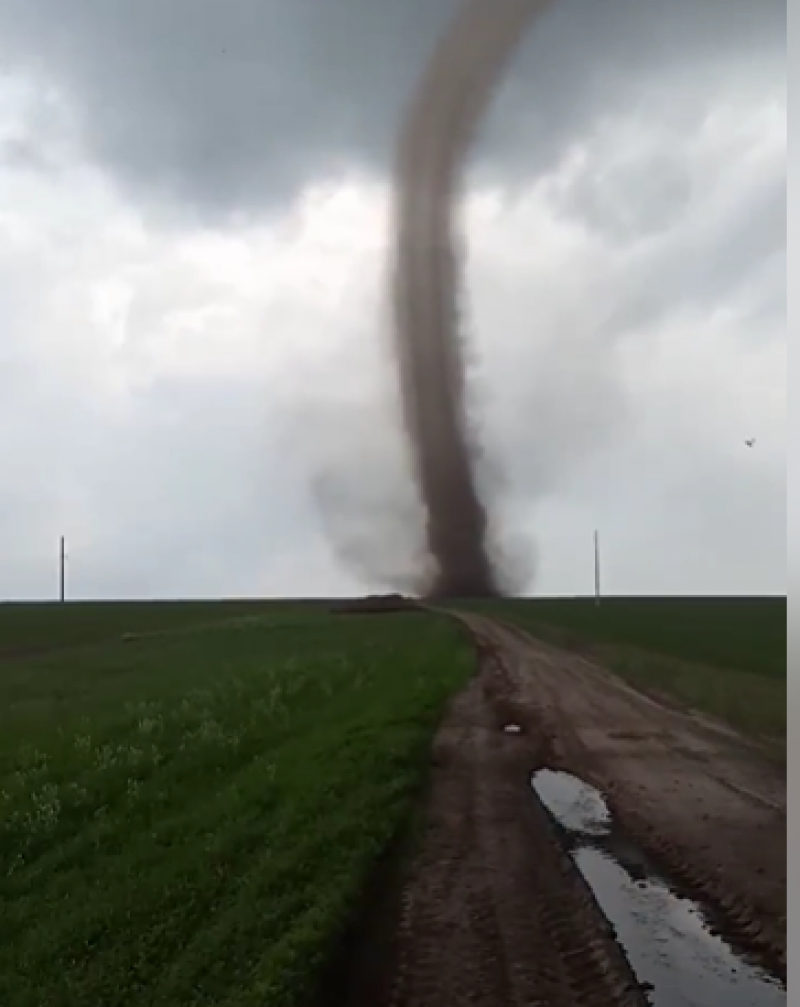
(722, 656)
(189, 817)
(26, 626)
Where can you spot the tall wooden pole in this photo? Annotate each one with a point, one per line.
(62, 563)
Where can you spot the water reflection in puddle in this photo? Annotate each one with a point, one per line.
(666, 938)
(575, 805)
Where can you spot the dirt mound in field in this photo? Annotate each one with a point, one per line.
(376, 603)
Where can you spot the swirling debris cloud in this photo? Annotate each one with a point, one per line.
(442, 118)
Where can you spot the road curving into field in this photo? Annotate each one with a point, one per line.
(493, 911)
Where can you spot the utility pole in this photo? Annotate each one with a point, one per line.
(62, 563)
(596, 568)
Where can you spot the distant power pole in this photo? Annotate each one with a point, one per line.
(62, 565)
(596, 568)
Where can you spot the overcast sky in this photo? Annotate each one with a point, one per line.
(193, 247)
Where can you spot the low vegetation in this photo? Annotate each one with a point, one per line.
(27, 628)
(747, 634)
(189, 817)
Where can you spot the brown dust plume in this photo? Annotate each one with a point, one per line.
(441, 121)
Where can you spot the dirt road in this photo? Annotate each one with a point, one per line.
(494, 913)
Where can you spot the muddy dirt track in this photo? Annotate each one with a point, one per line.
(493, 911)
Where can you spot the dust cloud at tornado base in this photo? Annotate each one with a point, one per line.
(442, 118)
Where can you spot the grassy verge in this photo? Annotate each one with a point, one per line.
(754, 704)
(746, 634)
(189, 818)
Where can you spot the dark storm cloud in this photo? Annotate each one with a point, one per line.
(227, 106)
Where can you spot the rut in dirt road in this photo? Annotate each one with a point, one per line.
(705, 807)
(494, 913)
(442, 118)
(496, 908)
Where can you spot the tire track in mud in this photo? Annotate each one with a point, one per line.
(581, 713)
(733, 916)
(494, 912)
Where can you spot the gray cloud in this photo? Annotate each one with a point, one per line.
(723, 257)
(186, 494)
(636, 211)
(227, 107)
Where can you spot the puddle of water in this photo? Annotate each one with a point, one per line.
(575, 805)
(665, 937)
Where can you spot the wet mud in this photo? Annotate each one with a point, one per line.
(669, 889)
(667, 937)
(703, 805)
(493, 912)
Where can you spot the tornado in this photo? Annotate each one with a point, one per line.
(440, 123)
